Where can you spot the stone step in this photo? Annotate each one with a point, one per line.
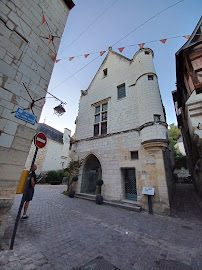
(126, 204)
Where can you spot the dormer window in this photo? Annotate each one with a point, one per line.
(146, 52)
(105, 72)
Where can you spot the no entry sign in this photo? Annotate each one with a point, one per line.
(40, 140)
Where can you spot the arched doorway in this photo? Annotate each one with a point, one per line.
(91, 173)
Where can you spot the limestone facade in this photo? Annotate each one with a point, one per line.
(131, 133)
(25, 57)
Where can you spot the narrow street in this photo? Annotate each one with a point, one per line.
(64, 233)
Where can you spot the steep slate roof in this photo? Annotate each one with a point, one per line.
(50, 132)
(194, 38)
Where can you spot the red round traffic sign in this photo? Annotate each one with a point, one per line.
(40, 140)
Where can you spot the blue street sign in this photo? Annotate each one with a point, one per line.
(25, 116)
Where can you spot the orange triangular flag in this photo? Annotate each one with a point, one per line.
(71, 58)
(163, 40)
(121, 49)
(187, 37)
(86, 55)
(55, 56)
(57, 60)
(43, 19)
(141, 45)
(49, 39)
(102, 52)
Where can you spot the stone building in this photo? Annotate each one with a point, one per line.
(26, 60)
(188, 101)
(55, 155)
(121, 132)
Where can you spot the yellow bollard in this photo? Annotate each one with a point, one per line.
(22, 183)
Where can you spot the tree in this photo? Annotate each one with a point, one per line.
(72, 172)
(174, 134)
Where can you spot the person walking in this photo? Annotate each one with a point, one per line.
(30, 192)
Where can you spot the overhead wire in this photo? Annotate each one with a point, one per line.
(149, 20)
(89, 26)
(121, 39)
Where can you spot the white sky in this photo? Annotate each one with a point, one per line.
(84, 34)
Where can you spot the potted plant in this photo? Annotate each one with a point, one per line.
(99, 198)
(71, 191)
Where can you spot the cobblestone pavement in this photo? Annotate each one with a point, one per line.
(64, 233)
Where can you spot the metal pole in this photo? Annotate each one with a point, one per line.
(150, 205)
(22, 202)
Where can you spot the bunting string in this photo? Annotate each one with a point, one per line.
(141, 46)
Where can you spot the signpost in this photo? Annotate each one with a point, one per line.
(149, 191)
(26, 116)
(40, 141)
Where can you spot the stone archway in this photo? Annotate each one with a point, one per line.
(92, 171)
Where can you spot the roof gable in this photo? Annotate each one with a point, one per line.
(195, 37)
(105, 60)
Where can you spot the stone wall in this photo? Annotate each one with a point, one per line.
(27, 58)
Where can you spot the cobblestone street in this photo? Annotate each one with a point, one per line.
(65, 233)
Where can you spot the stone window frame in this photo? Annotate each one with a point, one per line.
(100, 119)
(118, 88)
(157, 118)
(134, 155)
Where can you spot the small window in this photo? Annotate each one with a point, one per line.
(97, 109)
(157, 118)
(150, 77)
(146, 52)
(121, 91)
(105, 72)
(134, 155)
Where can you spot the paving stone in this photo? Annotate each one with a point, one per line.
(64, 233)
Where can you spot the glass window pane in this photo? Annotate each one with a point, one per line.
(156, 118)
(97, 118)
(104, 107)
(96, 130)
(97, 109)
(121, 91)
(104, 116)
(104, 128)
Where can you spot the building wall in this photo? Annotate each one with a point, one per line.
(130, 127)
(54, 156)
(27, 58)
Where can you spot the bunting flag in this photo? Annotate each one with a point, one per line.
(121, 49)
(55, 56)
(102, 52)
(43, 19)
(163, 40)
(141, 45)
(49, 39)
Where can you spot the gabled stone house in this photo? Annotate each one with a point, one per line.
(26, 58)
(121, 132)
(55, 155)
